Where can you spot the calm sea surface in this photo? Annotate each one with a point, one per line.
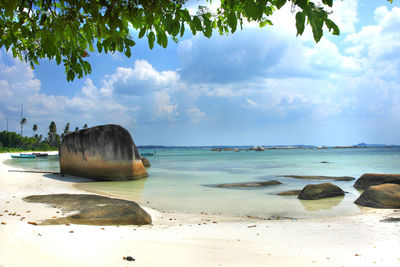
(179, 178)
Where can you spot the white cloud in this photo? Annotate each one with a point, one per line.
(164, 107)
(195, 114)
(140, 80)
(345, 15)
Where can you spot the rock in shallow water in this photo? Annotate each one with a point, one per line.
(369, 179)
(104, 152)
(248, 184)
(384, 196)
(319, 177)
(318, 191)
(145, 162)
(94, 209)
(289, 193)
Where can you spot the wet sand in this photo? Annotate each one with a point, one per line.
(176, 239)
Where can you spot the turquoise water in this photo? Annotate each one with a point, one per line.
(178, 180)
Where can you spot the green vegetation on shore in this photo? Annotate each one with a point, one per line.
(13, 142)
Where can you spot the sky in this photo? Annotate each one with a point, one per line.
(258, 86)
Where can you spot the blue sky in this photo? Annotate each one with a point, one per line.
(257, 86)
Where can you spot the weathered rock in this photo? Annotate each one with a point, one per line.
(319, 177)
(369, 179)
(145, 162)
(104, 152)
(289, 193)
(384, 196)
(318, 191)
(249, 184)
(93, 209)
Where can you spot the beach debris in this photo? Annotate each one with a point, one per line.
(215, 222)
(28, 211)
(6, 211)
(22, 218)
(3, 223)
(102, 228)
(357, 255)
(129, 258)
(33, 223)
(71, 232)
(251, 226)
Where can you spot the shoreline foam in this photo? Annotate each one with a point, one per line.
(182, 239)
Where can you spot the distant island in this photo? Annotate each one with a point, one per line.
(265, 147)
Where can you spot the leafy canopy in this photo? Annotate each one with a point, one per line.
(66, 30)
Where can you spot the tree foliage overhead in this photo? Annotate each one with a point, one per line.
(67, 30)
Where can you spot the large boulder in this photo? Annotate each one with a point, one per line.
(93, 209)
(318, 191)
(384, 196)
(104, 152)
(369, 179)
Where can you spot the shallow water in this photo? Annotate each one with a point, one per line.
(178, 180)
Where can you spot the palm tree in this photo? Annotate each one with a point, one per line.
(34, 129)
(76, 129)
(52, 132)
(22, 122)
(85, 126)
(66, 130)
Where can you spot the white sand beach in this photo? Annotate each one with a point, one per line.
(184, 239)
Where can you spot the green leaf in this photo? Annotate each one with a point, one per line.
(99, 46)
(316, 26)
(43, 19)
(186, 15)
(327, 2)
(142, 32)
(302, 3)
(175, 28)
(281, 3)
(129, 42)
(250, 9)
(300, 22)
(232, 21)
(332, 26)
(128, 52)
(151, 38)
(197, 23)
(182, 31)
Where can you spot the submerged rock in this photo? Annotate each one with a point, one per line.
(384, 196)
(318, 191)
(104, 152)
(369, 179)
(145, 162)
(289, 193)
(94, 209)
(248, 184)
(319, 177)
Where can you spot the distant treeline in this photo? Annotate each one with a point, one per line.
(11, 142)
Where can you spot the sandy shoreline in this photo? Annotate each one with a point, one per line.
(182, 239)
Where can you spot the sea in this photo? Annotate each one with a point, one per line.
(183, 180)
